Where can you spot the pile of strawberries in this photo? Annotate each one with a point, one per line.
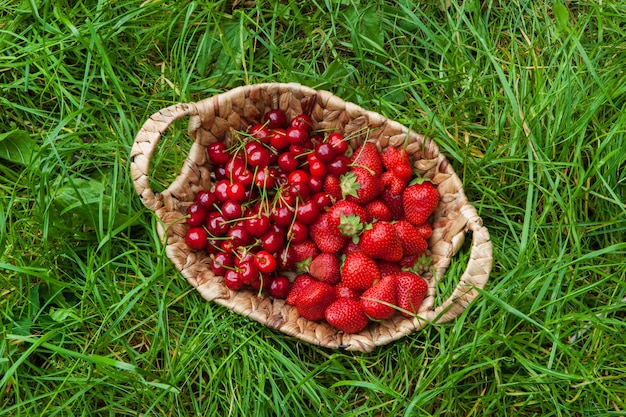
(352, 224)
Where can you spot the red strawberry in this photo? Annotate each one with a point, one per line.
(305, 252)
(297, 287)
(394, 202)
(360, 186)
(348, 217)
(388, 268)
(380, 241)
(425, 230)
(341, 291)
(419, 201)
(411, 291)
(346, 314)
(367, 156)
(377, 210)
(313, 300)
(393, 183)
(379, 300)
(394, 157)
(325, 267)
(403, 172)
(332, 187)
(350, 247)
(326, 235)
(412, 241)
(359, 271)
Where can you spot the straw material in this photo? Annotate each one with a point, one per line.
(215, 118)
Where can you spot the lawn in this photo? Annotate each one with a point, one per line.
(525, 98)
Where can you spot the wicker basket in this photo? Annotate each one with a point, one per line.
(213, 119)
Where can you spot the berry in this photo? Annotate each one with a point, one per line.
(368, 157)
(314, 298)
(196, 238)
(298, 285)
(412, 241)
(326, 234)
(380, 241)
(379, 300)
(419, 201)
(411, 291)
(360, 186)
(347, 315)
(359, 271)
(325, 267)
(280, 287)
(275, 118)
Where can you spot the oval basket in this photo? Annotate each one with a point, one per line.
(215, 118)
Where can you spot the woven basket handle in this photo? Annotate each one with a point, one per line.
(145, 144)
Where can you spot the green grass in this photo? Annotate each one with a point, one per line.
(525, 98)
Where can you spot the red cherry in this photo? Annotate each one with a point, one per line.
(231, 209)
(221, 190)
(206, 198)
(196, 238)
(259, 157)
(307, 212)
(287, 162)
(279, 139)
(248, 271)
(263, 179)
(282, 215)
(298, 232)
(239, 236)
(338, 166)
(197, 214)
(236, 192)
(325, 152)
(216, 224)
(280, 287)
(218, 153)
(297, 136)
(232, 280)
(323, 200)
(261, 132)
(287, 258)
(299, 176)
(265, 261)
(317, 168)
(272, 241)
(337, 141)
(315, 185)
(222, 262)
(257, 225)
(275, 118)
(302, 121)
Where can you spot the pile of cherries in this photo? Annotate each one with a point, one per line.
(270, 185)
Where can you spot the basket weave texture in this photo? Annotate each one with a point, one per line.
(217, 117)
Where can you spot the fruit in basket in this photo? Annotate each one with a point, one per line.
(287, 198)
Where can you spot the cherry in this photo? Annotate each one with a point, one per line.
(338, 166)
(325, 152)
(287, 162)
(218, 153)
(265, 261)
(299, 232)
(279, 139)
(275, 118)
(287, 258)
(307, 212)
(280, 287)
(216, 223)
(299, 176)
(263, 179)
(196, 238)
(282, 215)
(302, 121)
(297, 136)
(222, 262)
(248, 271)
(315, 185)
(232, 280)
(261, 132)
(197, 214)
(259, 157)
(206, 198)
(323, 200)
(317, 168)
(239, 236)
(221, 190)
(231, 209)
(272, 241)
(257, 224)
(338, 142)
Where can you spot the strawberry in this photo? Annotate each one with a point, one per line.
(359, 271)
(348, 217)
(341, 291)
(347, 315)
(367, 156)
(394, 202)
(313, 299)
(380, 241)
(393, 183)
(379, 300)
(395, 157)
(388, 268)
(412, 241)
(350, 247)
(326, 234)
(425, 230)
(297, 287)
(332, 187)
(411, 291)
(419, 200)
(360, 185)
(377, 210)
(325, 267)
(305, 252)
